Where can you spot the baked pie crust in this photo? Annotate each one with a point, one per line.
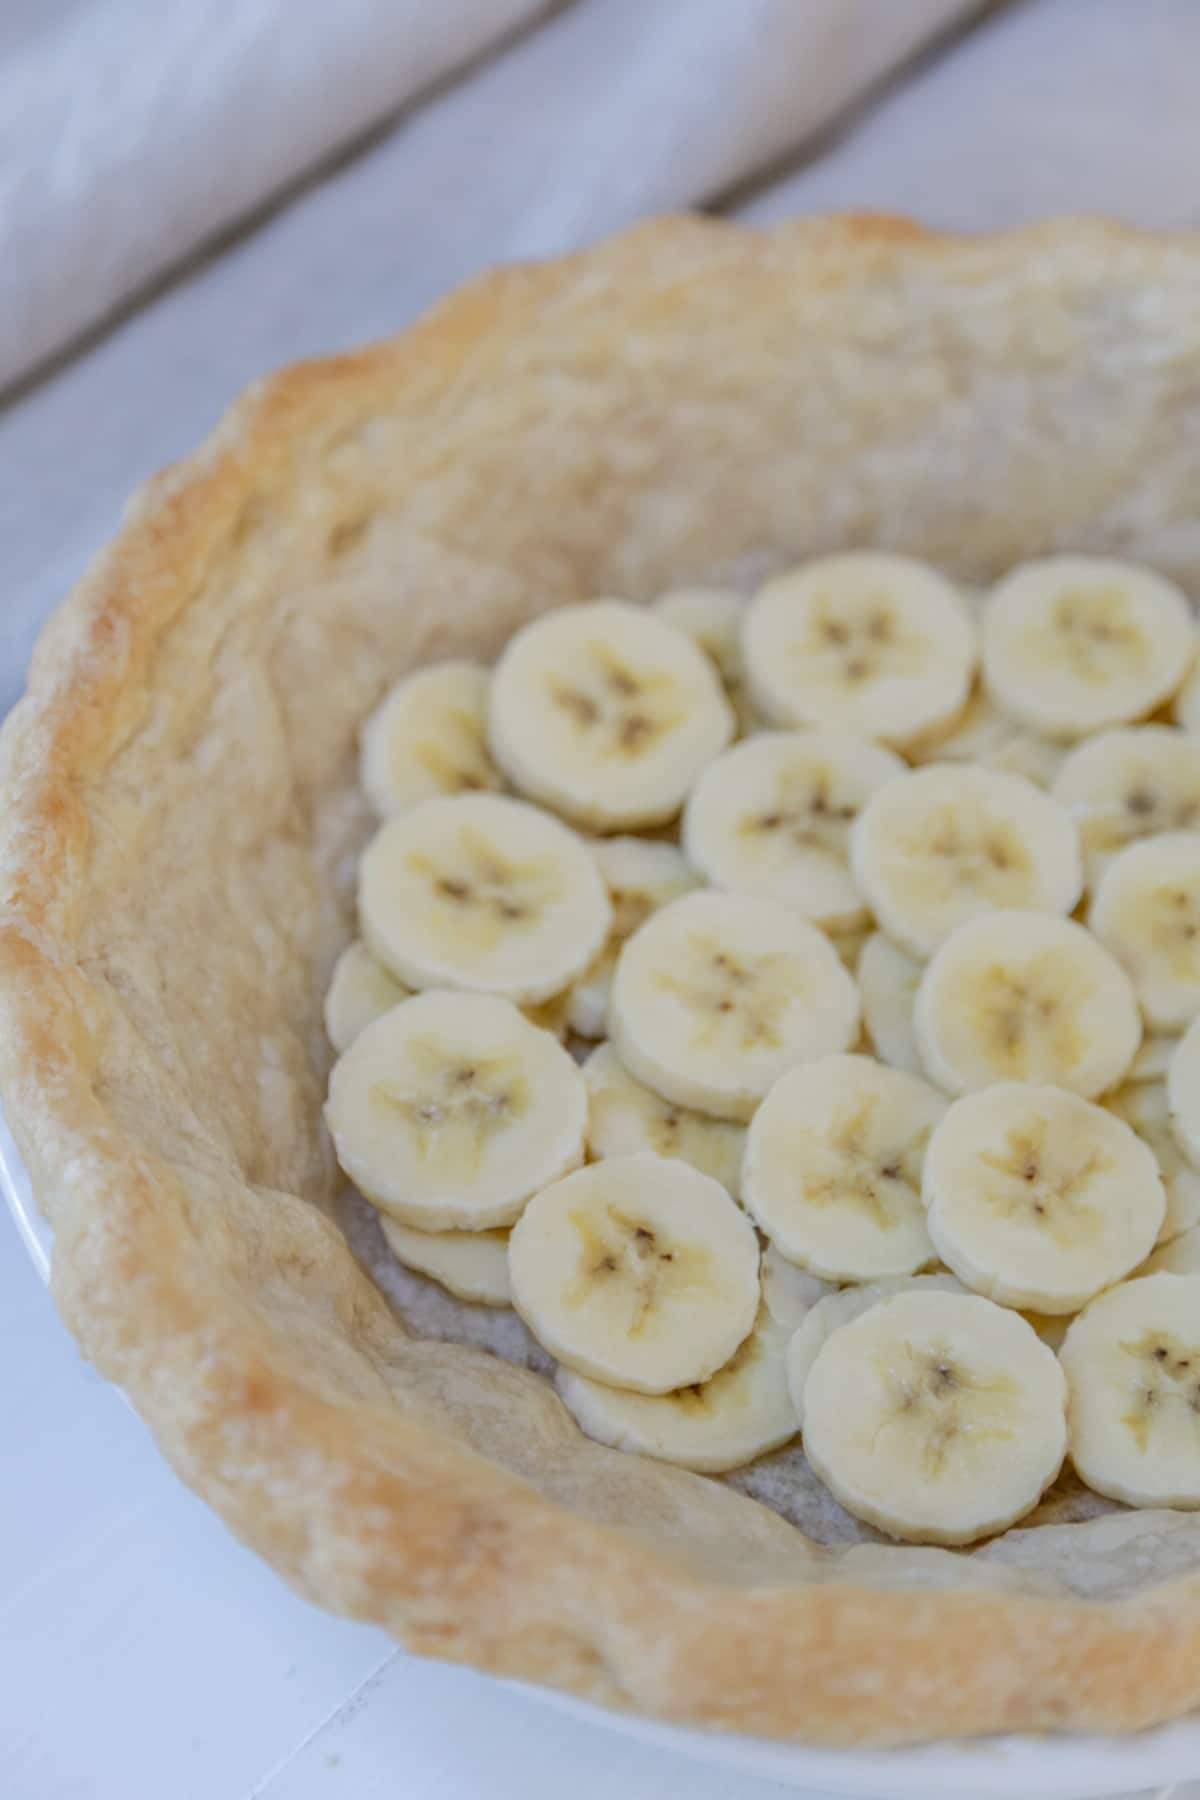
(690, 403)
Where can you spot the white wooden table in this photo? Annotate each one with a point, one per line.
(144, 1655)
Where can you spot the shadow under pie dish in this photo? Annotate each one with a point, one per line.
(689, 404)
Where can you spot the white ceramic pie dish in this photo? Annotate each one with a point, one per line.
(1065, 1768)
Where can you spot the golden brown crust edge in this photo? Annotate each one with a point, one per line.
(367, 1512)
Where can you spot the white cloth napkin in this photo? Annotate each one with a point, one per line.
(132, 133)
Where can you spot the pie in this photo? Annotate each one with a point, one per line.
(691, 406)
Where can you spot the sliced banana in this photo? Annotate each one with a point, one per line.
(470, 1264)
(873, 644)
(360, 991)
(1185, 709)
(1144, 1107)
(772, 818)
(829, 1314)
(1180, 1257)
(712, 618)
(1132, 1362)
(429, 737)
(478, 891)
(938, 1418)
(452, 1109)
(888, 980)
(832, 1170)
(1073, 644)
(606, 713)
(739, 1413)
(640, 876)
(624, 1116)
(1153, 1059)
(1122, 786)
(638, 1271)
(717, 994)
(790, 1293)
(1147, 911)
(1025, 996)
(1039, 1199)
(982, 734)
(947, 842)
(1183, 1093)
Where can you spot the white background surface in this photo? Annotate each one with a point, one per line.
(144, 1655)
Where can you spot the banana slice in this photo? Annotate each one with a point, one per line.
(1039, 1199)
(739, 1413)
(640, 877)
(638, 1271)
(1072, 644)
(1025, 996)
(832, 1170)
(1132, 1362)
(1146, 909)
(828, 1315)
(606, 713)
(1144, 1108)
(470, 1264)
(452, 1109)
(772, 818)
(624, 1117)
(1185, 709)
(1122, 786)
(878, 645)
(429, 737)
(945, 843)
(718, 994)
(888, 981)
(938, 1418)
(982, 734)
(1183, 1093)
(712, 618)
(360, 991)
(1153, 1059)
(790, 1293)
(1180, 1257)
(477, 891)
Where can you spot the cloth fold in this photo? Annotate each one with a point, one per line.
(130, 136)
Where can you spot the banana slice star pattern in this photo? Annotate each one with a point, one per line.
(624, 1117)
(877, 645)
(832, 1170)
(1132, 1362)
(360, 991)
(712, 618)
(772, 818)
(1145, 1109)
(1039, 1199)
(638, 1272)
(945, 843)
(828, 1315)
(1025, 996)
(888, 980)
(1183, 1093)
(452, 1109)
(1073, 644)
(478, 891)
(717, 994)
(1147, 911)
(606, 714)
(1126, 785)
(739, 1413)
(938, 1418)
(429, 737)
(472, 1265)
(640, 877)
